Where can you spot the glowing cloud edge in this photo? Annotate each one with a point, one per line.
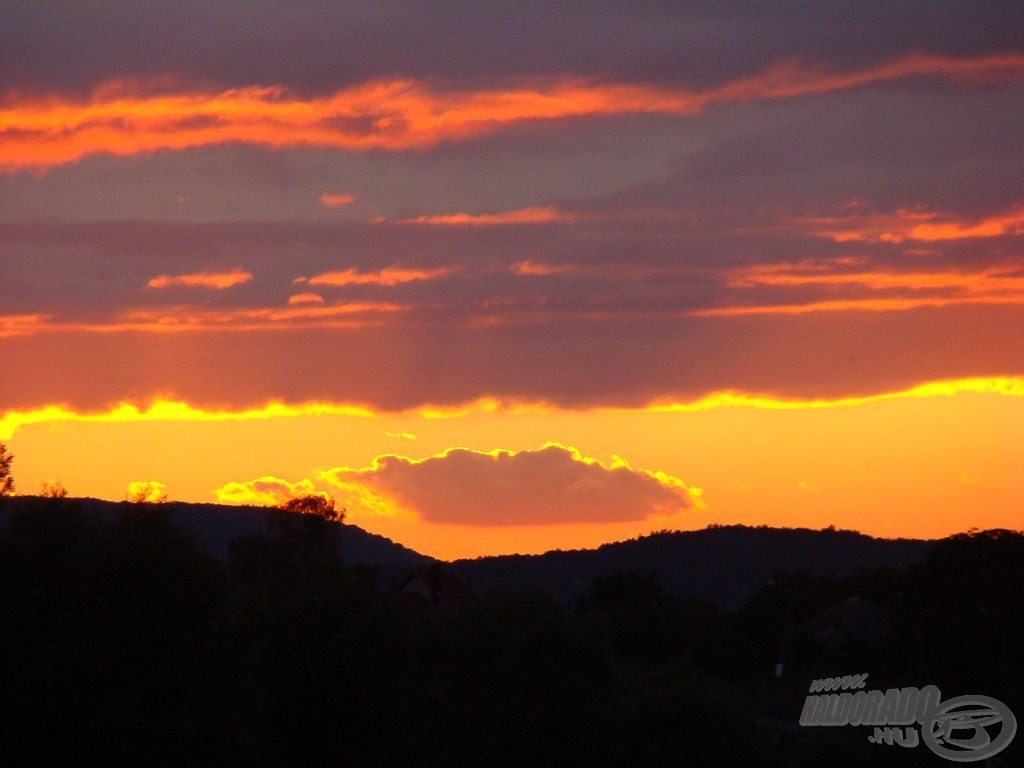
(166, 409)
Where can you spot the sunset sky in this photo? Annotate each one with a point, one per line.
(501, 277)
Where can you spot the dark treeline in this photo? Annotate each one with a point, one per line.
(123, 641)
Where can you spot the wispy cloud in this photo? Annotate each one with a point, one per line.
(305, 298)
(216, 280)
(535, 215)
(337, 199)
(19, 325)
(305, 313)
(531, 268)
(867, 289)
(400, 115)
(915, 225)
(388, 276)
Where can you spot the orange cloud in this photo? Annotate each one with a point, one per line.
(402, 115)
(529, 268)
(217, 280)
(388, 276)
(994, 226)
(846, 305)
(338, 199)
(189, 319)
(616, 272)
(536, 215)
(553, 484)
(936, 288)
(1007, 279)
(305, 298)
(19, 325)
(914, 225)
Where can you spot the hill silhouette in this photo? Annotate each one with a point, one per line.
(723, 565)
(215, 526)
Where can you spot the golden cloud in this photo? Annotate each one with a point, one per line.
(267, 491)
(150, 491)
(174, 411)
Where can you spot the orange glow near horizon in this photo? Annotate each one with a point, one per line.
(400, 115)
(488, 312)
(949, 447)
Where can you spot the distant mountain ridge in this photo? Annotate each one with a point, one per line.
(723, 565)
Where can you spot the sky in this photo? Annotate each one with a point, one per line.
(501, 277)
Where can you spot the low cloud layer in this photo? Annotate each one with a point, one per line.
(552, 485)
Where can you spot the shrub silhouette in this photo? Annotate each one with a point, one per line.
(6, 478)
(53, 490)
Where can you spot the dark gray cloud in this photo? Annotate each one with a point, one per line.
(889, 148)
(316, 46)
(572, 362)
(602, 268)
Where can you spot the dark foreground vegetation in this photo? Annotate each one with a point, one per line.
(123, 641)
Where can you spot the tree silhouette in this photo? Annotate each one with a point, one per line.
(53, 489)
(321, 506)
(6, 479)
(146, 491)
